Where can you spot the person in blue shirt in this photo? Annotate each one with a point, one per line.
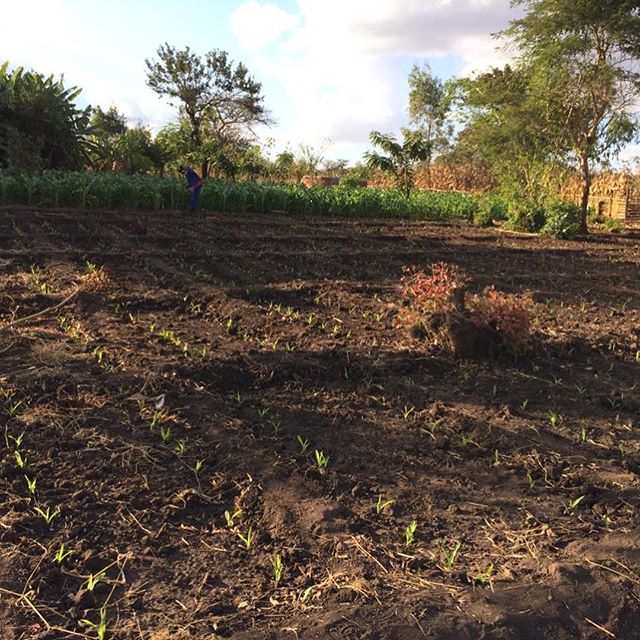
(194, 184)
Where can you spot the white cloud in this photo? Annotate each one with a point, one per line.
(257, 25)
(343, 65)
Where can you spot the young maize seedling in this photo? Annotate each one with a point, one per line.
(278, 568)
(17, 440)
(47, 515)
(382, 504)
(606, 521)
(407, 411)
(100, 627)
(496, 458)
(197, 467)
(12, 409)
(20, 461)
(165, 434)
(263, 412)
(303, 442)
(230, 519)
(409, 534)
(523, 406)
(583, 436)
(572, 504)
(181, 447)
(450, 557)
(321, 460)
(553, 420)
(530, 480)
(61, 554)
(31, 485)
(483, 577)
(248, 539)
(155, 420)
(93, 580)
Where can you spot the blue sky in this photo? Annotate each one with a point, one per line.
(332, 70)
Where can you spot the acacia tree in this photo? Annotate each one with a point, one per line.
(217, 97)
(587, 53)
(400, 158)
(429, 107)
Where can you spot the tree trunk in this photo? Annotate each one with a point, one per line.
(586, 190)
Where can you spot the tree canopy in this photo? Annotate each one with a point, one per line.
(218, 98)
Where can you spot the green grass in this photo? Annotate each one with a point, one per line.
(156, 193)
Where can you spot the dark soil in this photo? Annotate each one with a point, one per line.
(183, 387)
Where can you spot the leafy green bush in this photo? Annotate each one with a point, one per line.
(562, 220)
(490, 208)
(524, 215)
(611, 225)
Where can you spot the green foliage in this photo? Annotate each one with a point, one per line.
(489, 209)
(156, 193)
(219, 99)
(562, 220)
(611, 225)
(40, 124)
(400, 158)
(524, 215)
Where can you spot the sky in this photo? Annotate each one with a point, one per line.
(331, 70)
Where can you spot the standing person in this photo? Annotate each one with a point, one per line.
(194, 184)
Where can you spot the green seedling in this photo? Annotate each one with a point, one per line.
(382, 504)
(263, 412)
(530, 480)
(230, 518)
(494, 390)
(321, 460)
(155, 420)
(407, 410)
(368, 383)
(165, 434)
(31, 485)
(277, 427)
(91, 266)
(410, 534)
(17, 440)
(93, 580)
(47, 515)
(465, 440)
(197, 467)
(20, 461)
(496, 458)
(579, 388)
(450, 558)
(583, 436)
(606, 521)
(483, 577)
(572, 504)
(181, 447)
(100, 627)
(12, 409)
(61, 554)
(524, 404)
(237, 397)
(303, 442)
(278, 568)
(553, 420)
(248, 539)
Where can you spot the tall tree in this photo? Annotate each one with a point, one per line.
(400, 157)
(588, 52)
(216, 96)
(429, 107)
(508, 128)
